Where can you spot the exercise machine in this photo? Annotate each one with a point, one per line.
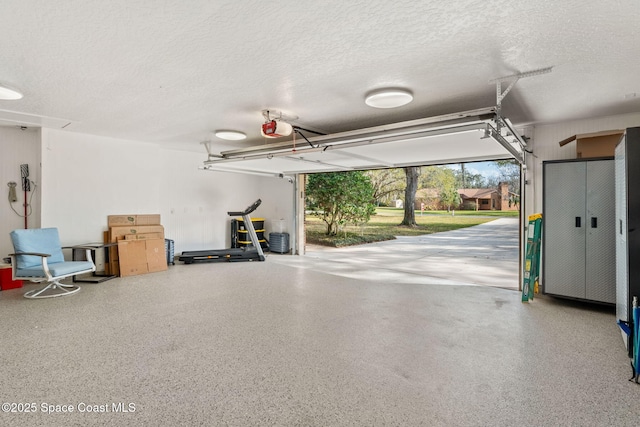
(247, 253)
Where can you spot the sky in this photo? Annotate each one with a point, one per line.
(486, 169)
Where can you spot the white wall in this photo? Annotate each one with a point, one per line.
(194, 203)
(18, 147)
(84, 178)
(545, 146)
(87, 177)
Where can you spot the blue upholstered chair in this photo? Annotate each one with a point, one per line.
(38, 258)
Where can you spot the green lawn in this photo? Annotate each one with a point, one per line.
(384, 226)
(400, 212)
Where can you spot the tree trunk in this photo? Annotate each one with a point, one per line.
(412, 174)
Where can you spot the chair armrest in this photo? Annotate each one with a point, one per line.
(31, 253)
(87, 251)
(92, 248)
(43, 258)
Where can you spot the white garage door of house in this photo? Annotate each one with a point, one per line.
(477, 135)
(456, 138)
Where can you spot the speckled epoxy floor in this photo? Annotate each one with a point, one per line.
(274, 344)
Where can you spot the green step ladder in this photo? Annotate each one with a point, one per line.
(532, 259)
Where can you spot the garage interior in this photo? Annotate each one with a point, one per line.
(119, 110)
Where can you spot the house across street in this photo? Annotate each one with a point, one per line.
(479, 199)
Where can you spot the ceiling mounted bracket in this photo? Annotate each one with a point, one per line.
(500, 94)
(277, 115)
(505, 134)
(210, 155)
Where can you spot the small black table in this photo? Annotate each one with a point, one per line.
(96, 276)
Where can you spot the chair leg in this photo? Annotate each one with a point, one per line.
(57, 290)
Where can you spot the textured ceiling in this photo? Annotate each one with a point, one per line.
(171, 71)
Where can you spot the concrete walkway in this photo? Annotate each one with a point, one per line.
(486, 254)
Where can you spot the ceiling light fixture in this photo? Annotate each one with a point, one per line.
(230, 135)
(9, 94)
(388, 98)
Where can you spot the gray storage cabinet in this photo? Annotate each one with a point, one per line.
(578, 258)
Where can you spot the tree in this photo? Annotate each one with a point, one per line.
(510, 173)
(339, 198)
(411, 173)
(450, 197)
(388, 184)
(476, 180)
(471, 180)
(445, 180)
(463, 175)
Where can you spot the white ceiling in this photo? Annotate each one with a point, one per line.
(170, 71)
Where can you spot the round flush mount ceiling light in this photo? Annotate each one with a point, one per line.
(388, 98)
(230, 135)
(9, 94)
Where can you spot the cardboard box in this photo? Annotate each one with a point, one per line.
(599, 144)
(149, 219)
(6, 278)
(127, 220)
(130, 228)
(121, 220)
(119, 233)
(141, 256)
(133, 257)
(144, 236)
(156, 255)
(114, 267)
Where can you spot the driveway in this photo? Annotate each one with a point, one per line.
(486, 254)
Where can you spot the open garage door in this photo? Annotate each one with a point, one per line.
(478, 135)
(457, 138)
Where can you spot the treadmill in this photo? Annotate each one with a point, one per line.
(247, 253)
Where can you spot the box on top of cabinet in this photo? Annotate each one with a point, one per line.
(598, 144)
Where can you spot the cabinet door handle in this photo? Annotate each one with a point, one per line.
(594, 222)
(578, 222)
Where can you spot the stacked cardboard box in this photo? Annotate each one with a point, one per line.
(140, 245)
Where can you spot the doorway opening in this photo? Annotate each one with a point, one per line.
(467, 228)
